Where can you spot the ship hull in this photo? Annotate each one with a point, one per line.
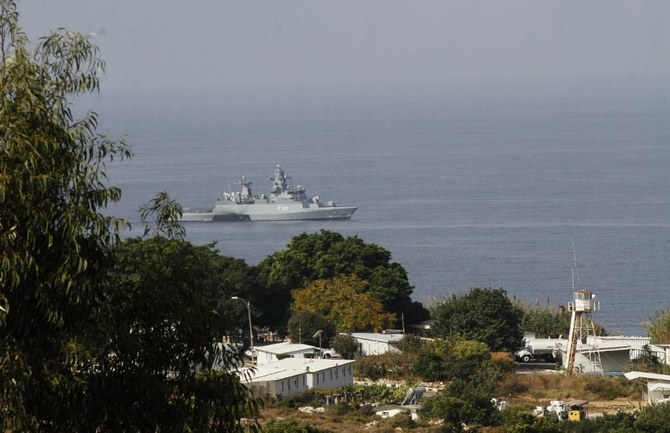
(269, 212)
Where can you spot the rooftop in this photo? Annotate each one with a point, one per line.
(285, 348)
(290, 367)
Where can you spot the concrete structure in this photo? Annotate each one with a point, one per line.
(615, 352)
(600, 359)
(297, 375)
(662, 351)
(657, 386)
(371, 343)
(275, 352)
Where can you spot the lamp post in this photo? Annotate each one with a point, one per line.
(251, 330)
(318, 334)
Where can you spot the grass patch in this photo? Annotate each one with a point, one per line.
(543, 386)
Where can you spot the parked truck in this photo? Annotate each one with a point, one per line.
(541, 349)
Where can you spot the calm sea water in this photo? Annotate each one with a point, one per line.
(482, 186)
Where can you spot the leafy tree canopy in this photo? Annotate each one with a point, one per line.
(54, 240)
(325, 255)
(303, 325)
(345, 345)
(162, 364)
(544, 320)
(658, 327)
(343, 302)
(88, 343)
(485, 315)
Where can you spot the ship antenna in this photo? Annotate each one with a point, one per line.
(576, 284)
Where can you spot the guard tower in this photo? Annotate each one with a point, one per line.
(581, 328)
(581, 323)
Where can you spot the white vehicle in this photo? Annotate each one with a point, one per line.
(540, 349)
(330, 353)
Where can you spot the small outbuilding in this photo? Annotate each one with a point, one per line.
(373, 343)
(275, 352)
(297, 375)
(656, 386)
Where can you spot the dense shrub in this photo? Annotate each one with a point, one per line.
(391, 365)
(609, 388)
(291, 426)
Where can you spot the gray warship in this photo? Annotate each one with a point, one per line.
(284, 203)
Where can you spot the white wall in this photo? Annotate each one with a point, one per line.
(280, 387)
(371, 347)
(334, 377)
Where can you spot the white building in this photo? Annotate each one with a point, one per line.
(600, 359)
(657, 388)
(275, 352)
(611, 354)
(373, 343)
(297, 375)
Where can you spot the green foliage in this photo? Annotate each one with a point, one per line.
(410, 343)
(345, 345)
(291, 426)
(609, 388)
(544, 321)
(403, 421)
(392, 365)
(342, 301)
(295, 401)
(485, 315)
(654, 419)
(162, 216)
(304, 324)
(95, 334)
(546, 424)
(430, 366)
(472, 409)
(326, 255)
(648, 361)
(54, 240)
(658, 327)
(159, 363)
(608, 423)
(454, 358)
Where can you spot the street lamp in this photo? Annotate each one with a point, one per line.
(251, 330)
(318, 334)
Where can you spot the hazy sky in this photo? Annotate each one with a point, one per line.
(149, 43)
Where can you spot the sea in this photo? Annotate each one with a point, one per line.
(467, 184)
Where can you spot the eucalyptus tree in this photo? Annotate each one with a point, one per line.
(54, 240)
(95, 334)
(164, 365)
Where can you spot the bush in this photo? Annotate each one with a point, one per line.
(291, 426)
(403, 420)
(295, 401)
(654, 419)
(410, 343)
(609, 388)
(389, 365)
